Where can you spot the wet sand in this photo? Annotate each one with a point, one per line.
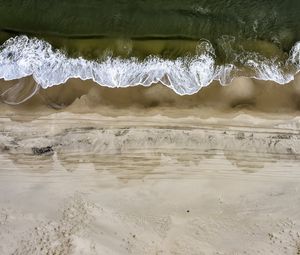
(120, 178)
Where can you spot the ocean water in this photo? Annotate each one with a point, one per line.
(183, 44)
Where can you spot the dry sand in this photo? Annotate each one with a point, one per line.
(153, 181)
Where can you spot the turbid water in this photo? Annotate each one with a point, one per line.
(183, 44)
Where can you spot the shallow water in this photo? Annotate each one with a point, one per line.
(242, 94)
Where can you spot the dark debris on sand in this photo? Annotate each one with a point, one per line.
(48, 150)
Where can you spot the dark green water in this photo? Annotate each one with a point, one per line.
(274, 21)
(257, 19)
(252, 36)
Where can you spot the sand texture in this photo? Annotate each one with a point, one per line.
(91, 184)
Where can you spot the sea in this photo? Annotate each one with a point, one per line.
(182, 44)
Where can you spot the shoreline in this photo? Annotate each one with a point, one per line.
(77, 96)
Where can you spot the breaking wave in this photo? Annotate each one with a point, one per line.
(22, 56)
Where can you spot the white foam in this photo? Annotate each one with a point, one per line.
(22, 56)
(295, 56)
(270, 70)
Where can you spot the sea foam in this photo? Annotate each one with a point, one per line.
(22, 56)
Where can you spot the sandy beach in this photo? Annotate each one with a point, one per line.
(158, 180)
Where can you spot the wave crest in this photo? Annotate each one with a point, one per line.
(22, 56)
